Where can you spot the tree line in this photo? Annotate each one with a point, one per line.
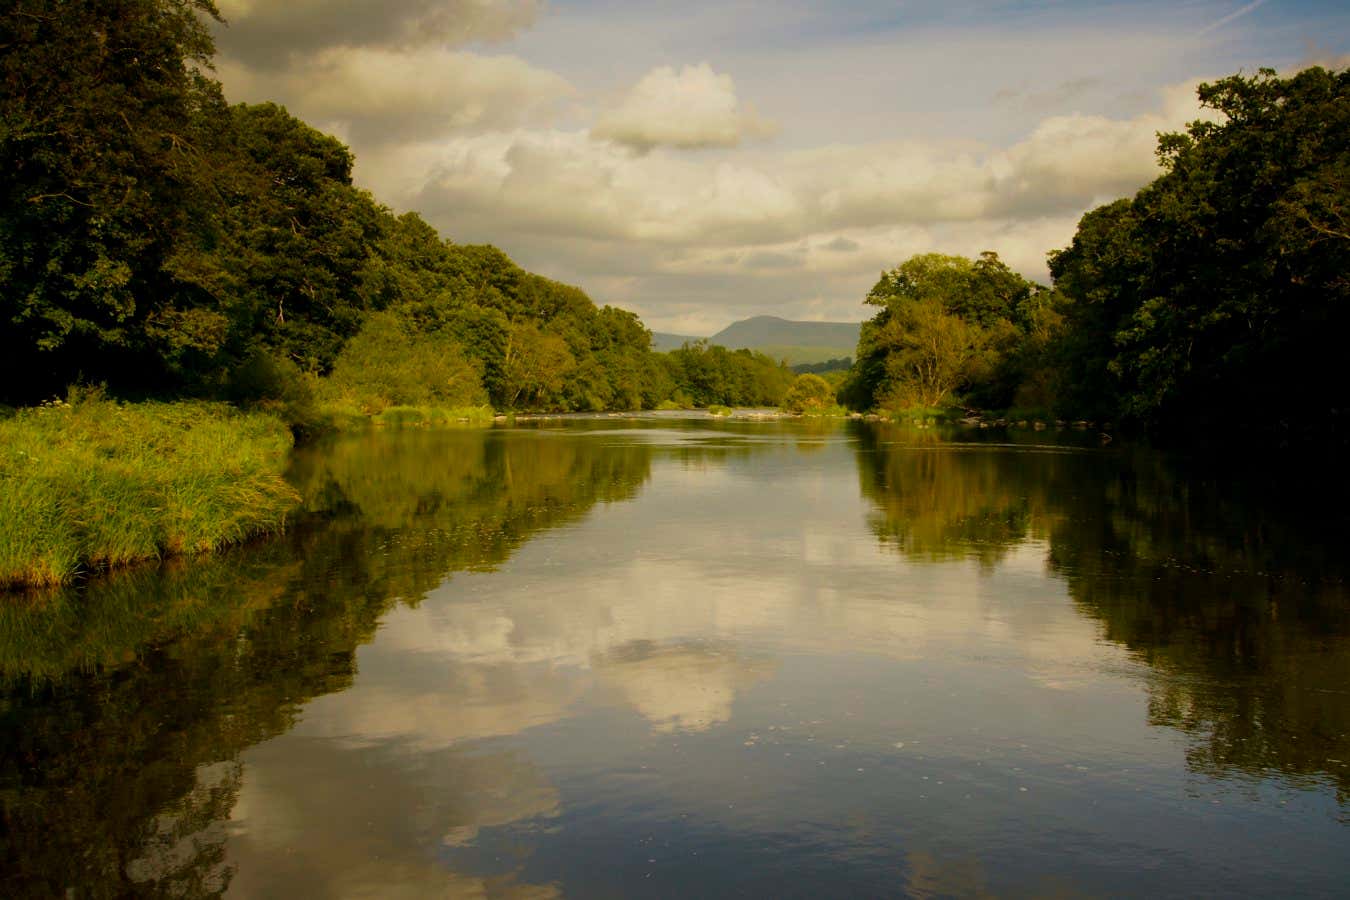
(1212, 301)
(163, 242)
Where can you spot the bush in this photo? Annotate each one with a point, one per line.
(276, 385)
(390, 364)
(808, 392)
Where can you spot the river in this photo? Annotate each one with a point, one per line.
(671, 655)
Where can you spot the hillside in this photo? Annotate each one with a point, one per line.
(664, 342)
(771, 331)
(798, 342)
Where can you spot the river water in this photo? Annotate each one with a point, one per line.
(679, 656)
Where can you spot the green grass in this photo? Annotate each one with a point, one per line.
(347, 417)
(719, 410)
(97, 484)
(432, 416)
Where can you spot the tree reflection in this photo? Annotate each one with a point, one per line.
(935, 500)
(128, 702)
(1234, 596)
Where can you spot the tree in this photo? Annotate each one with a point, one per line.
(808, 392)
(535, 366)
(1220, 288)
(927, 353)
(947, 324)
(105, 111)
(391, 363)
(157, 239)
(289, 258)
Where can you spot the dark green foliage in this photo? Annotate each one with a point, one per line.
(104, 119)
(1221, 287)
(285, 259)
(155, 239)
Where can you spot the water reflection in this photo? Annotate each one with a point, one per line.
(1234, 597)
(129, 701)
(618, 658)
(685, 686)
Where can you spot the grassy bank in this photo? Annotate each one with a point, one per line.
(95, 484)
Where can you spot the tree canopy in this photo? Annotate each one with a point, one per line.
(1221, 288)
(160, 241)
(948, 326)
(1215, 298)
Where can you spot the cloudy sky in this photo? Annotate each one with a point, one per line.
(699, 162)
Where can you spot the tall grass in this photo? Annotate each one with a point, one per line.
(94, 484)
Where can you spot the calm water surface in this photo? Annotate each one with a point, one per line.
(688, 657)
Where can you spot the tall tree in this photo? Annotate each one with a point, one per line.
(1219, 293)
(101, 130)
(946, 323)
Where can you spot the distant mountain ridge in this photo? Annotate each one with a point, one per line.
(664, 341)
(815, 339)
(771, 331)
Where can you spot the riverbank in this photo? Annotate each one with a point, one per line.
(93, 484)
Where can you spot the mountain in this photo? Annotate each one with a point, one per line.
(770, 331)
(797, 342)
(664, 342)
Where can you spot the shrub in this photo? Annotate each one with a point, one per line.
(390, 364)
(808, 392)
(275, 384)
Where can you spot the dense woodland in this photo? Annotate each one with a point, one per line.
(1210, 302)
(163, 242)
(156, 239)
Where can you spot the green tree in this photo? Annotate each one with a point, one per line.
(1220, 288)
(295, 240)
(926, 354)
(159, 240)
(390, 363)
(808, 392)
(948, 324)
(105, 112)
(535, 367)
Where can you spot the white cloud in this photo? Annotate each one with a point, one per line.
(887, 141)
(559, 183)
(691, 108)
(372, 96)
(691, 241)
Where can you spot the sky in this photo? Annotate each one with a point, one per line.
(701, 162)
